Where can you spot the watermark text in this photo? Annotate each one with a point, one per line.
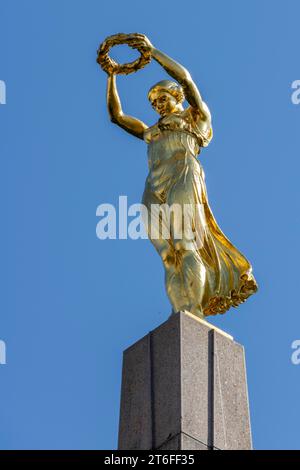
(295, 357)
(185, 224)
(2, 92)
(295, 97)
(2, 352)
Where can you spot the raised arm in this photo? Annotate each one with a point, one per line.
(180, 74)
(128, 123)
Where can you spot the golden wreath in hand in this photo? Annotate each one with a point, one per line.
(134, 40)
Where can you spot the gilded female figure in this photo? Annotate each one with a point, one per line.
(210, 275)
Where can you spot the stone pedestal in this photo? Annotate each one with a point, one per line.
(184, 388)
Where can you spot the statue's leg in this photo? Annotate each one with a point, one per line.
(189, 236)
(175, 286)
(156, 228)
(194, 276)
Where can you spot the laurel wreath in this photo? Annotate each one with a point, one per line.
(110, 66)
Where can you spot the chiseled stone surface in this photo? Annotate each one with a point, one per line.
(182, 442)
(172, 444)
(188, 443)
(184, 388)
(194, 378)
(166, 381)
(231, 414)
(135, 427)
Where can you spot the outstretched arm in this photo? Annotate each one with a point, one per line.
(180, 74)
(128, 123)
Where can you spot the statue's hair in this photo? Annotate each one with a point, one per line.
(173, 88)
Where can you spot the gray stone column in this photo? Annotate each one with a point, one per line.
(184, 388)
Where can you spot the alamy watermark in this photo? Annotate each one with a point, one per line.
(179, 222)
(2, 352)
(295, 97)
(295, 357)
(2, 92)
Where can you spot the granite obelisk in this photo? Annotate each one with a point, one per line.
(184, 388)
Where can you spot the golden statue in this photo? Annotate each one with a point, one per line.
(203, 278)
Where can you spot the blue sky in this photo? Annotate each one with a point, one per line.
(71, 303)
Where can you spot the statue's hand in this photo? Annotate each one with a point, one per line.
(141, 41)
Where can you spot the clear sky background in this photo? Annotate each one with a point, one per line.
(71, 303)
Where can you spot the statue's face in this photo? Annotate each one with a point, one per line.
(163, 102)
